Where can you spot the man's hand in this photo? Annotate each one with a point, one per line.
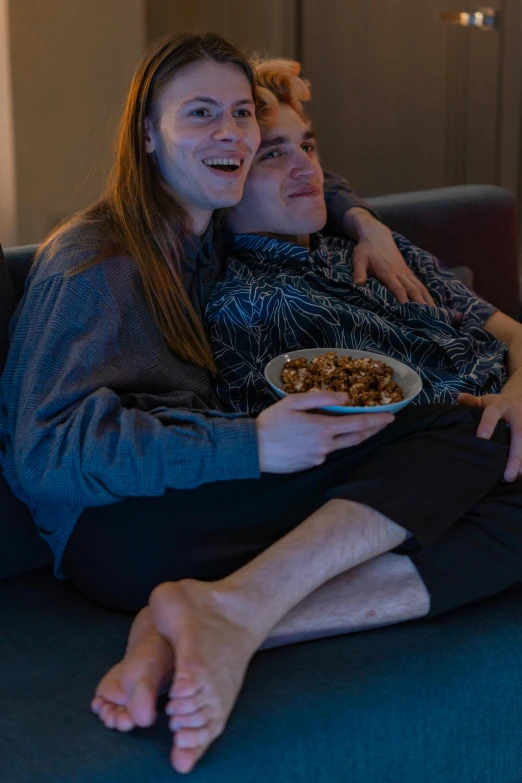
(497, 407)
(377, 254)
(291, 439)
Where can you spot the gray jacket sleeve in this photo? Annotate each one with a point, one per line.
(340, 197)
(73, 439)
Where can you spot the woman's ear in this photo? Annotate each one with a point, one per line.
(149, 135)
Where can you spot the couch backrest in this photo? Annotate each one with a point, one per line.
(470, 225)
(18, 260)
(474, 226)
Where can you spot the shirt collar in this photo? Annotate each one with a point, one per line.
(199, 247)
(280, 249)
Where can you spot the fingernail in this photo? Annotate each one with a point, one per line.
(510, 476)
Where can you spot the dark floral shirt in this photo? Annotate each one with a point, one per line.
(277, 296)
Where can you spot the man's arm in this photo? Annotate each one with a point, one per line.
(508, 404)
(340, 197)
(509, 331)
(376, 252)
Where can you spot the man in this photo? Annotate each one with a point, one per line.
(337, 571)
(280, 294)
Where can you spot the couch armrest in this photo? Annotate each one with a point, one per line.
(470, 225)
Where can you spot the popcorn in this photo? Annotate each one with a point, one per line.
(368, 382)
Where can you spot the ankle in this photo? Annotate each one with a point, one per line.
(245, 606)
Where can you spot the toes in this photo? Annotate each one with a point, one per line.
(185, 686)
(191, 738)
(185, 759)
(110, 688)
(142, 704)
(123, 720)
(108, 714)
(115, 717)
(196, 720)
(97, 703)
(187, 706)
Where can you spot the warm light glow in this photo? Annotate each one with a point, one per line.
(464, 18)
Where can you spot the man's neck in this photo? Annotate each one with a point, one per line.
(295, 239)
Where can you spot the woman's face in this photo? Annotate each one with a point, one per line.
(283, 192)
(204, 136)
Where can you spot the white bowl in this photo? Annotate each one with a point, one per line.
(408, 379)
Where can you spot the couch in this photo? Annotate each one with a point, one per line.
(425, 702)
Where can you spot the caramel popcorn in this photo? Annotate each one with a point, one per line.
(368, 382)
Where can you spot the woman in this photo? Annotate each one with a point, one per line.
(109, 387)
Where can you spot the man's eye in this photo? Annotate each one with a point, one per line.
(200, 113)
(271, 155)
(310, 148)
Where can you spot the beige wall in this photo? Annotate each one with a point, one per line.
(71, 62)
(262, 26)
(8, 217)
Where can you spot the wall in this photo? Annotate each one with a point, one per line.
(8, 217)
(71, 62)
(267, 26)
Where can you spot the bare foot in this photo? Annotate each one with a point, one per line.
(126, 697)
(212, 643)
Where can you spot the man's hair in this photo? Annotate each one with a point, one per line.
(278, 81)
(137, 215)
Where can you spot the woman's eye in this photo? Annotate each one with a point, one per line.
(200, 113)
(243, 113)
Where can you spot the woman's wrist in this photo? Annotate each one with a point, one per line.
(360, 224)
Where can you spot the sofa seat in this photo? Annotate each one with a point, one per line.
(424, 702)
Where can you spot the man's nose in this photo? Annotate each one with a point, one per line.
(227, 129)
(303, 165)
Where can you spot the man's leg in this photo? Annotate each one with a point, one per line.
(383, 591)
(215, 627)
(335, 539)
(408, 469)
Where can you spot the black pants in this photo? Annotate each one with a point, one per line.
(427, 471)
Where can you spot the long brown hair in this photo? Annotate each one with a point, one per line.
(136, 215)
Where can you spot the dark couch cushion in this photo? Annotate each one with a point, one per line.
(430, 702)
(21, 548)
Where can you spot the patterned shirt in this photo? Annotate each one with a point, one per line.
(277, 296)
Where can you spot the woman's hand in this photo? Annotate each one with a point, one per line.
(292, 437)
(377, 254)
(497, 407)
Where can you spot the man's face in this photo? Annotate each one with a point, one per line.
(204, 137)
(283, 192)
